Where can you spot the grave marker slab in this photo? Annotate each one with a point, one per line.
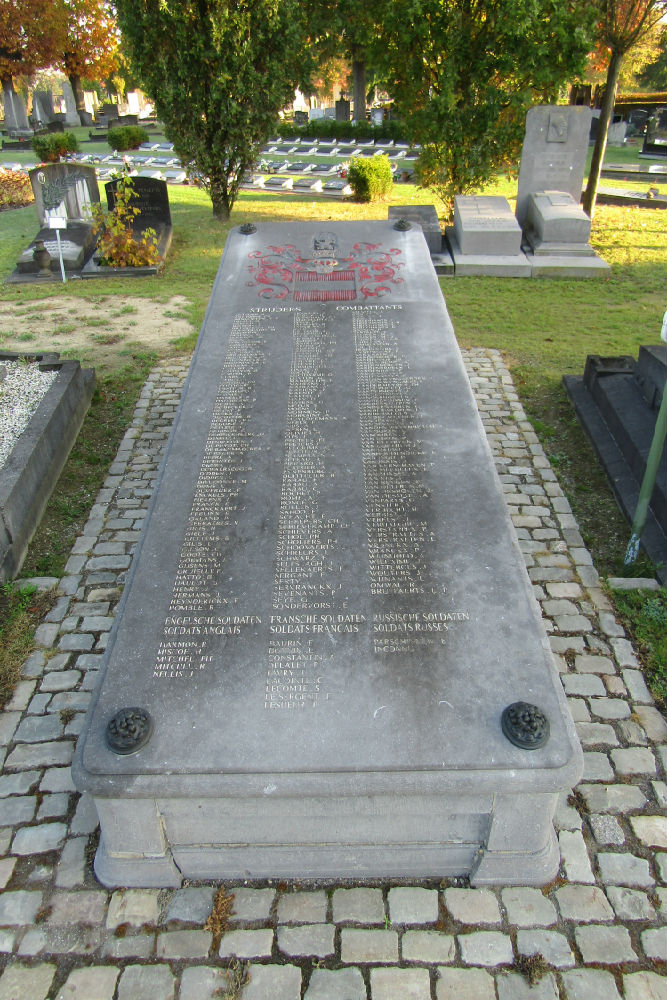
(329, 612)
(486, 238)
(65, 191)
(556, 231)
(553, 157)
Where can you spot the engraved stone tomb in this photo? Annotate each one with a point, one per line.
(328, 614)
(66, 191)
(486, 238)
(553, 157)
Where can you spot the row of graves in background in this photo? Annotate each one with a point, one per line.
(291, 169)
(65, 244)
(54, 114)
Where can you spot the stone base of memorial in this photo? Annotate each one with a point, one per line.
(557, 231)
(77, 242)
(35, 463)
(486, 238)
(328, 660)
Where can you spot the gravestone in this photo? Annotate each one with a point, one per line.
(329, 612)
(655, 137)
(42, 107)
(300, 118)
(152, 200)
(556, 233)
(486, 238)
(63, 191)
(16, 117)
(342, 110)
(553, 157)
(617, 401)
(71, 114)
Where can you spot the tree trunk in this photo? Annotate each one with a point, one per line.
(15, 113)
(217, 188)
(606, 112)
(77, 90)
(359, 84)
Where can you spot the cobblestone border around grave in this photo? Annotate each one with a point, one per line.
(600, 927)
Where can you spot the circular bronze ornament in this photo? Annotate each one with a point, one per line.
(247, 229)
(402, 225)
(525, 725)
(129, 730)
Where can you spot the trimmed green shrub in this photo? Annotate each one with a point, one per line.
(50, 147)
(370, 178)
(126, 137)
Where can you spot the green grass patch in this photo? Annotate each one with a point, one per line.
(21, 611)
(644, 615)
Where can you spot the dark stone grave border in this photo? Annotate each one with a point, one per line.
(32, 469)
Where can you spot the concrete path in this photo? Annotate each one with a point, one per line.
(599, 928)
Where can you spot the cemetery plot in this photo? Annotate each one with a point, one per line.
(329, 631)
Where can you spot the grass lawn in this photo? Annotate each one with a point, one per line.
(545, 328)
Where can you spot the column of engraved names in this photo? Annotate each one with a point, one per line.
(225, 467)
(394, 461)
(305, 573)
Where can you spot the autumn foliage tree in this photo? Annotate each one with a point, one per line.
(91, 43)
(219, 71)
(32, 36)
(622, 25)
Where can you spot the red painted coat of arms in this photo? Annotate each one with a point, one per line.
(368, 271)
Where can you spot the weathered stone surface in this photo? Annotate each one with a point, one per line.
(360, 906)
(604, 944)
(413, 906)
(327, 984)
(273, 982)
(145, 982)
(20, 982)
(473, 984)
(345, 557)
(590, 984)
(409, 984)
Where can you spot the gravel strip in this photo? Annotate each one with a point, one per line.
(22, 388)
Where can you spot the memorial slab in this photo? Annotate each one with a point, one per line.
(556, 233)
(486, 238)
(328, 614)
(553, 157)
(62, 191)
(486, 225)
(554, 218)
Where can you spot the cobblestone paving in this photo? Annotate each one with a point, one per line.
(600, 927)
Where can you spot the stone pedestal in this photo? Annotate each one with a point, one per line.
(329, 613)
(486, 238)
(557, 231)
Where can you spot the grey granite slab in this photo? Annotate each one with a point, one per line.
(485, 224)
(553, 157)
(556, 217)
(328, 611)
